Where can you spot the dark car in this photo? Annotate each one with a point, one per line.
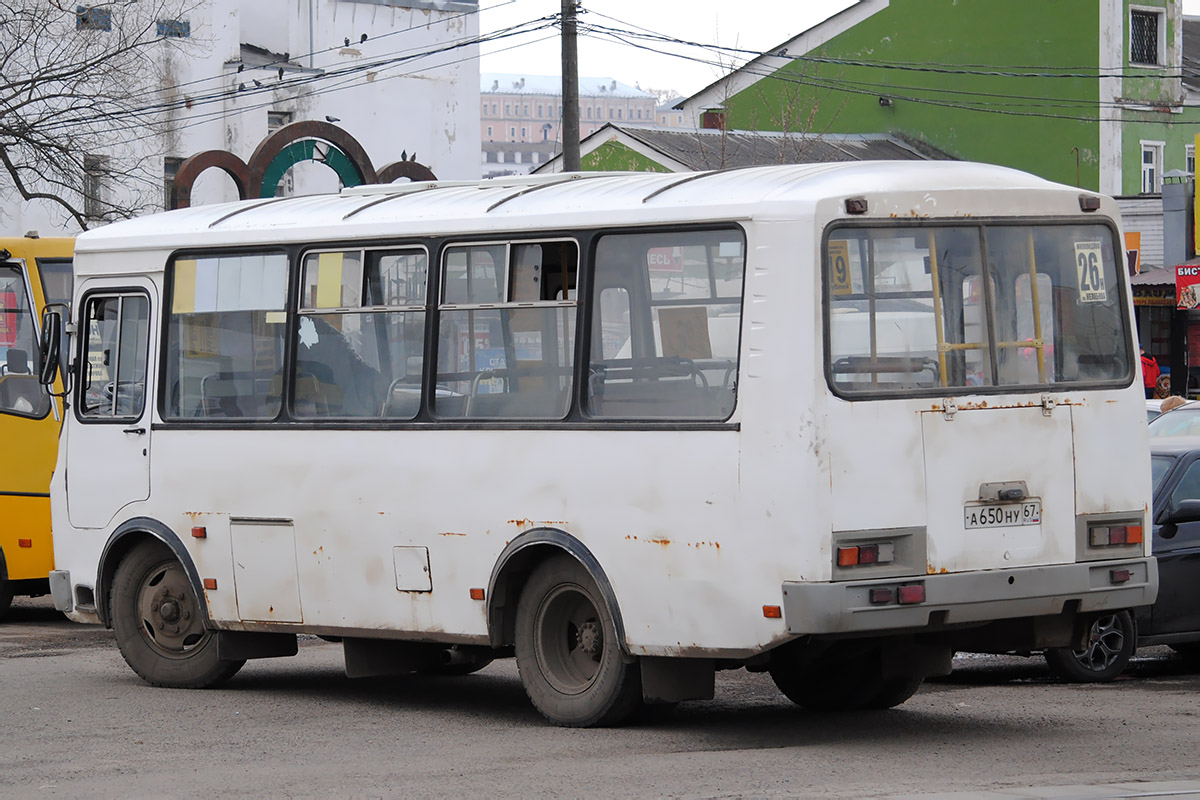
(1174, 619)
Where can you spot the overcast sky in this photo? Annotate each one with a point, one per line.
(743, 24)
(746, 24)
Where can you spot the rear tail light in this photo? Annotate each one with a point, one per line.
(864, 554)
(905, 595)
(1114, 535)
(883, 596)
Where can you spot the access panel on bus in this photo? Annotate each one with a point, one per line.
(1006, 331)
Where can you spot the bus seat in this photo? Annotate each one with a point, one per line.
(403, 400)
(551, 404)
(17, 362)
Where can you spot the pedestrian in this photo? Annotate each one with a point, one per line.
(1149, 373)
(1162, 387)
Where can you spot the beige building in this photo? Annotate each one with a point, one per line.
(521, 116)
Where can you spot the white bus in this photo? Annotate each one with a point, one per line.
(831, 421)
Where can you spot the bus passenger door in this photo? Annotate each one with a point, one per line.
(108, 449)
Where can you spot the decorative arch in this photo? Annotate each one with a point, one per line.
(308, 140)
(301, 141)
(190, 169)
(406, 169)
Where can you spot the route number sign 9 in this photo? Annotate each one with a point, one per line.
(839, 267)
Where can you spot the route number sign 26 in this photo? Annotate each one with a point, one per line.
(1091, 272)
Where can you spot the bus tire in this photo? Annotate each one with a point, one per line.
(849, 683)
(567, 651)
(6, 590)
(159, 626)
(1110, 645)
(894, 692)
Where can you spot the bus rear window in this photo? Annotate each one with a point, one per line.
(967, 307)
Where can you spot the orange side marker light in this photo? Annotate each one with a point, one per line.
(24, 542)
(772, 612)
(477, 594)
(210, 583)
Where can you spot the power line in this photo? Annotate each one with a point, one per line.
(395, 58)
(1025, 71)
(873, 89)
(210, 116)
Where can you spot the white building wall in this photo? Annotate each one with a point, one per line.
(1144, 214)
(427, 106)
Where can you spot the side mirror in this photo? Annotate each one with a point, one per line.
(50, 344)
(1184, 511)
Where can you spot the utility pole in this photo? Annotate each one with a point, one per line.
(570, 89)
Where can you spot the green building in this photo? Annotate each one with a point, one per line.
(1084, 92)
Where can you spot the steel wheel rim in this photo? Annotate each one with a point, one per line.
(167, 613)
(1106, 640)
(569, 639)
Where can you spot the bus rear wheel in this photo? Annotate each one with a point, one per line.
(567, 650)
(159, 626)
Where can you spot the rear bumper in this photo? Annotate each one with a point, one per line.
(827, 608)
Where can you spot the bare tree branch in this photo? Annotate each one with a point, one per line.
(73, 75)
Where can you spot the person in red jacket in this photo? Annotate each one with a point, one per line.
(1149, 373)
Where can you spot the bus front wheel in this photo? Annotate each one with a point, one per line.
(6, 590)
(567, 650)
(159, 625)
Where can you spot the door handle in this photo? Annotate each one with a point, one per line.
(138, 431)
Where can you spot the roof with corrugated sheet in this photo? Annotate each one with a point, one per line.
(573, 200)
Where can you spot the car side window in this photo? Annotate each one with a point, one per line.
(1188, 488)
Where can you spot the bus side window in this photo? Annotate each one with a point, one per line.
(225, 336)
(113, 373)
(507, 355)
(361, 334)
(669, 311)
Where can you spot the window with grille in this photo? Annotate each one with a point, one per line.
(92, 19)
(95, 187)
(170, 170)
(173, 28)
(1143, 37)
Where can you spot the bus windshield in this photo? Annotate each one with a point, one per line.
(19, 391)
(970, 306)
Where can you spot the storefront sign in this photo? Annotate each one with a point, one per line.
(1133, 252)
(1187, 286)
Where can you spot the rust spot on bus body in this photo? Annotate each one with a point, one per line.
(451, 533)
(663, 542)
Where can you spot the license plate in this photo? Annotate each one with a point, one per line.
(1003, 515)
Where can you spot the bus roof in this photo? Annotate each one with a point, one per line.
(573, 200)
(38, 247)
